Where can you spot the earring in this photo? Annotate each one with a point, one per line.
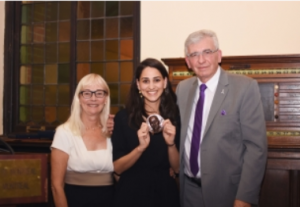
(166, 90)
(141, 95)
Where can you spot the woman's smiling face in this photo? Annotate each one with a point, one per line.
(151, 84)
(93, 105)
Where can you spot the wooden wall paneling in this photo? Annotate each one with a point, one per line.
(294, 188)
(274, 191)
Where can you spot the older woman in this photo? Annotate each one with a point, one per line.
(81, 158)
(143, 159)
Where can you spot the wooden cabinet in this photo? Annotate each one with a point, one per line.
(279, 81)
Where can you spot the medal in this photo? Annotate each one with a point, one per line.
(155, 122)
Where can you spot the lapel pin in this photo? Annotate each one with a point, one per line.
(223, 112)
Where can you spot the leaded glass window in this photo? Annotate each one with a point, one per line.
(59, 43)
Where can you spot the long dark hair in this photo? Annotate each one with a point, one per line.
(135, 104)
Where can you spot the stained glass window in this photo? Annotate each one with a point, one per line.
(60, 42)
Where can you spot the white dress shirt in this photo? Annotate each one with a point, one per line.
(209, 95)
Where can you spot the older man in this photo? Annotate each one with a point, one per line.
(223, 136)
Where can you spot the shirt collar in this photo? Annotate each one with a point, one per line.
(212, 83)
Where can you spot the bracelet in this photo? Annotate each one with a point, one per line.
(139, 149)
(170, 145)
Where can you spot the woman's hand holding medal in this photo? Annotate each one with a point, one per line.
(169, 132)
(155, 124)
(144, 137)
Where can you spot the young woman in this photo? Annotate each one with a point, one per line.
(142, 160)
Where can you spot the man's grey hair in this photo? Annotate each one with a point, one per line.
(197, 36)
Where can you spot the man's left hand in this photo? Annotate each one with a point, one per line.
(239, 203)
(110, 123)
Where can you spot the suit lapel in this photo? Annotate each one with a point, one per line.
(220, 94)
(189, 106)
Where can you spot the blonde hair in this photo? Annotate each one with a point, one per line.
(197, 36)
(74, 122)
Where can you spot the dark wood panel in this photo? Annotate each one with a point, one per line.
(274, 191)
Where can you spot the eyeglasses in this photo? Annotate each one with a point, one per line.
(89, 94)
(204, 53)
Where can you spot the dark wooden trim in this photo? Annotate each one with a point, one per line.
(16, 69)
(8, 64)
(10, 96)
(73, 51)
(136, 34)
(39, 143)
(290, 58)
(294, 188)
(11, 66)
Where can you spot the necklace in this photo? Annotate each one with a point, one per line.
(93, 128)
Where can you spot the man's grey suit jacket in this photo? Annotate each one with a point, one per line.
(234, 146)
